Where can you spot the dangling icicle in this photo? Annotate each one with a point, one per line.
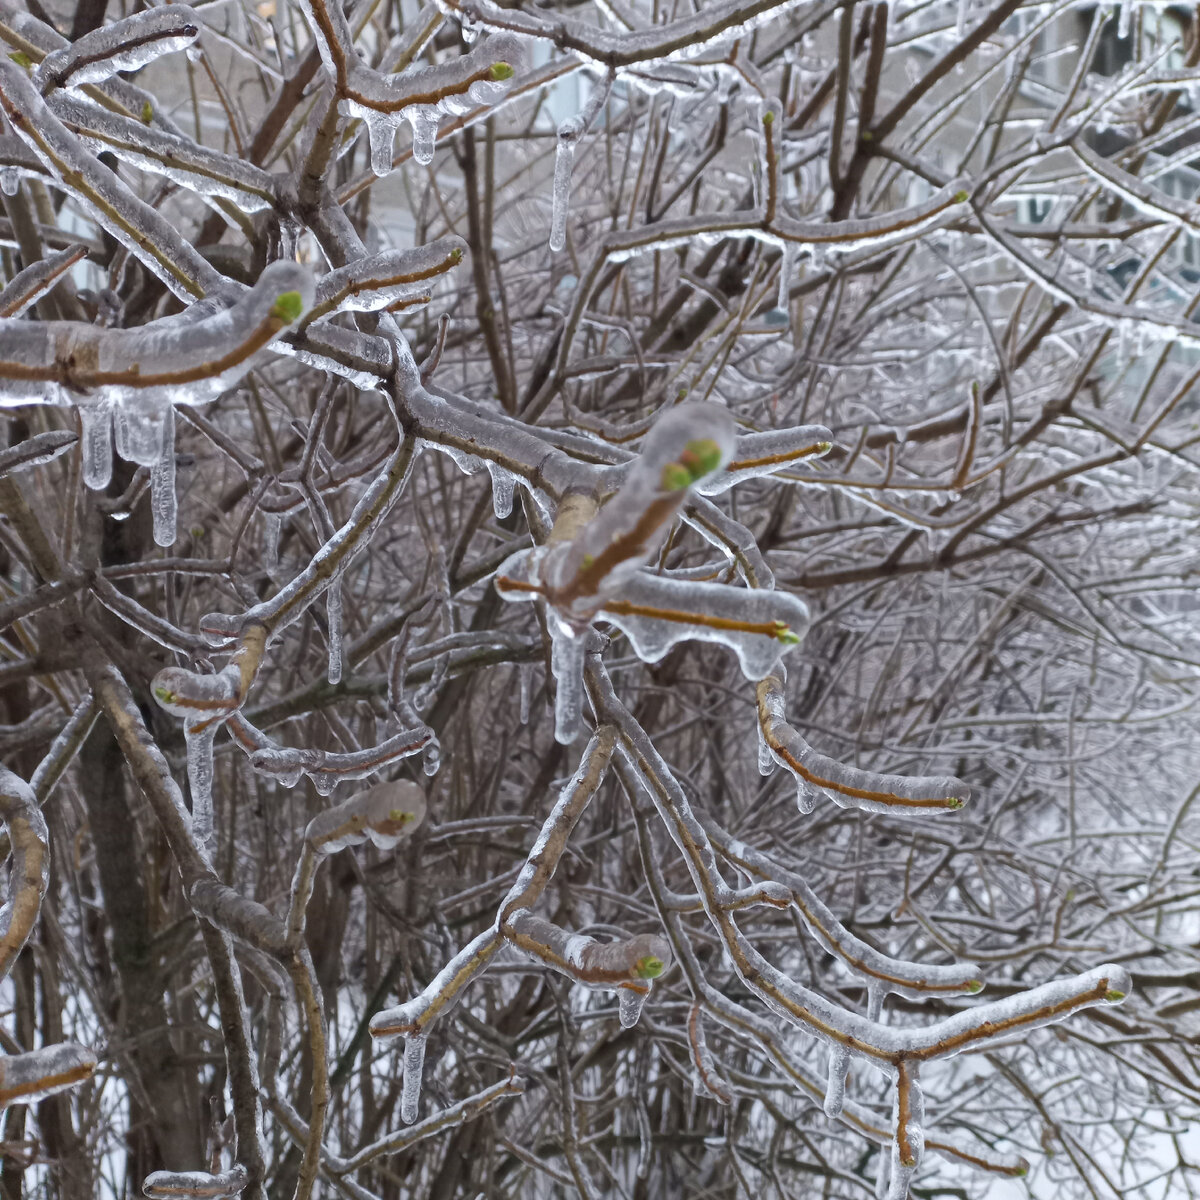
(200, 778)
(525, 678)
(630, 1003)
(333, 610)
(139, 434)
(566, 663)
(564, 163)
(503, 483)
(570, 132)
(806, 798)
(414, 1064)
(961, 21)
(272, 525)
(787, 272)
(766, 761)
(875, 1001)
(424, 124)
(1124, 18)
(96, 421)
(835, 1087)
(162, 484)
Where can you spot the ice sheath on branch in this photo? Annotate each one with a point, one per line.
(421, 95)
(591, 567)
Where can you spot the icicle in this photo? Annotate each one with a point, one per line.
(424, 122)
(566, 662)
(787, 271)
(272, 525)
(874, 1001)
(564, 162)
(139, 434)
(97, 445)
(961, 21)
(629, 1006)
(806, 798)
(200, 777)
(525, 680)
(503, 482)
(835, 1087)
(1124, 17)
(162, 483)
(766, 762)
(333, 609)
(10, 180)
(381, 134)
(414, 1062)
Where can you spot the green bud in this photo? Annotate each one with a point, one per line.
(701, 457)
(1113, 996)
(675, 477)
(648, 967)
(165, 695)
(399, 814)
(287, 307)
(975, 986)
(21, 59)
(501, 70)
(768, 117)
(866, 136)
(785, 635)
(456, 254)
(147, 112)
(960, 197)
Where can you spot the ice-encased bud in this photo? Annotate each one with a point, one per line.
(385, 814)
(685, 445)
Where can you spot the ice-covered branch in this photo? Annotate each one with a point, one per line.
(369, 284)
(846, 786)
(142, 230)
(200, 1185)
(124, 45)
(27, 835)
(28, 1078)
(628, 967)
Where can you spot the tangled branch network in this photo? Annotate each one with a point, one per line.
(785, 392)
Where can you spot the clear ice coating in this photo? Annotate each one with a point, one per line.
(849, 786)
(190, 358)
(125, 45)
(375, 281)
(685, 445)
(414, 1064)
(421, 95)
(384, 815)
(758, 625)
(164, 1185)
(28, 1078)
